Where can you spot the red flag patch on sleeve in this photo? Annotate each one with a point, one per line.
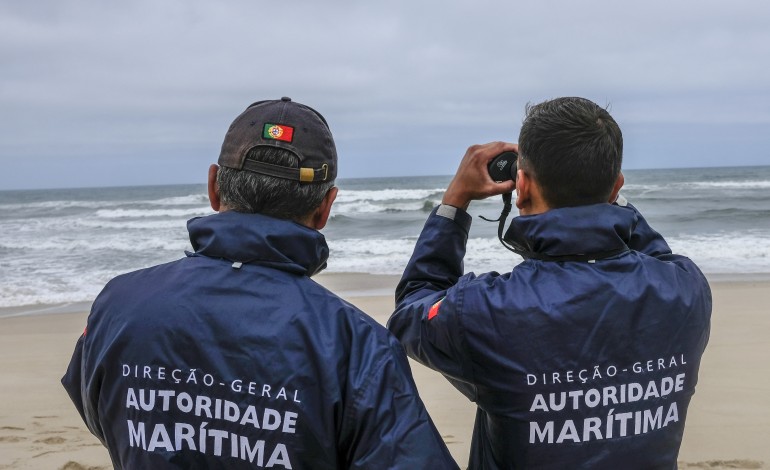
(434, 309)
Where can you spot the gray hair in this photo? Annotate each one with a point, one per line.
(249, 192)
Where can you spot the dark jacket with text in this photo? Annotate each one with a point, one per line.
(586, 363)
(234, 358)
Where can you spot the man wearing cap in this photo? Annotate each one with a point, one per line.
(233, 357)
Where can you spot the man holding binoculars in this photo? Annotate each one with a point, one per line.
(587, 353)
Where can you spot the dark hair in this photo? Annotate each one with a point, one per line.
(246, 191)
(573, 148)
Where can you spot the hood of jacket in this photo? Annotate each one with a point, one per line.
(259, 239)
(573, 231)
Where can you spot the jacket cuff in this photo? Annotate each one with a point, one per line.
(459, 216)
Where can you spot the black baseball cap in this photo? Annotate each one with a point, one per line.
(286, 124)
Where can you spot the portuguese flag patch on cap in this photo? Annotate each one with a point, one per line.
(278, 132)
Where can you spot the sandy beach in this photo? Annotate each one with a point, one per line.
(728, 423)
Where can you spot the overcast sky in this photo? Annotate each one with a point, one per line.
(96, 93)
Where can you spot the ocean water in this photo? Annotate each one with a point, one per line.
(61, 246)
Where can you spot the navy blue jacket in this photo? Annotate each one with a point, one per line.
(573, 364)
(209, 363)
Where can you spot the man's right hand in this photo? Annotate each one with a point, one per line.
(472, 180)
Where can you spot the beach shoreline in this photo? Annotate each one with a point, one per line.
(728, 423)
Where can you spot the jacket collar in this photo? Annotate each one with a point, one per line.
(259, 239)
(573, 231)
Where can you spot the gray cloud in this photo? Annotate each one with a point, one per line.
(96, 93)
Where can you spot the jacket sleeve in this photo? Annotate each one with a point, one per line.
(389, 426)
(72, 378)
(437, 260)
(83, 377)
(428, 319)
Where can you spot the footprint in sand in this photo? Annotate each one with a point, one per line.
(725, 464)
(11, 428)
(79, 466)
(12, 438)
(52, 440)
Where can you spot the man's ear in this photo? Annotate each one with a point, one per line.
(213, 188)
(616, 189)
(523, 189)
(529, 195)
(321, 215)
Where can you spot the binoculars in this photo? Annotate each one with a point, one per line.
(503, 167)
